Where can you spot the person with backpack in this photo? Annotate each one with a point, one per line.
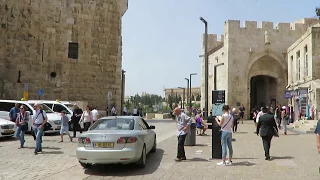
(38, 124)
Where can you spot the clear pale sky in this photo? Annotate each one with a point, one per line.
(162, 38)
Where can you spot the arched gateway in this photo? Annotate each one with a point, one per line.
(266, 81)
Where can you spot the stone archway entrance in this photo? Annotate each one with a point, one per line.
(263, 91)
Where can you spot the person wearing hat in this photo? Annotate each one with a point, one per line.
(65, 125)
(39, 121)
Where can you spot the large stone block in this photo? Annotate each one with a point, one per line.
(36, 37)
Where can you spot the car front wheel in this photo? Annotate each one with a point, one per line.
(85, 165)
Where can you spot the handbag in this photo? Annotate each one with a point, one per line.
(275, 132)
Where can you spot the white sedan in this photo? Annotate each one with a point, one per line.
(117, 140)
(7, 128)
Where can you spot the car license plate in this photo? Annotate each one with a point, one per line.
(8, 131)
(58, 127)
(104, 145)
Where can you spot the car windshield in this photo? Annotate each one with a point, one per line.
(114, 124)
(70, 106)
(45, 108)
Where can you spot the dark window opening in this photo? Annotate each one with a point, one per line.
(53, 74)
(73, 50)
(19, 77)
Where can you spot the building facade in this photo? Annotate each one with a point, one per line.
(304, 73)
(254, 70)
(179, 92)
(69, 49)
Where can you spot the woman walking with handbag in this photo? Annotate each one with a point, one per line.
(22, 124)
(86, 118)
(226, 125)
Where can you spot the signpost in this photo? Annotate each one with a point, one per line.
(40, 93)
(218, 101)
(109, 98)
(25, 92)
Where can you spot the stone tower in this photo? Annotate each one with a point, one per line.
(71, 49)
(254, 70)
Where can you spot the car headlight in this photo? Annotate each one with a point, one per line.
(57, 122)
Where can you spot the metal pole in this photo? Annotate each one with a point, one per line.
(122, 89)
(190, 96)
(187, 88)
(205, 68)
(184, 98)
(215, 78)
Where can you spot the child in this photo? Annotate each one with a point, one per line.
(65, 125)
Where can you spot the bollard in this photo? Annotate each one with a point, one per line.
(191, 136)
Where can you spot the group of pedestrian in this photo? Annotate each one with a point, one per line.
(266, 128)
(80, 120)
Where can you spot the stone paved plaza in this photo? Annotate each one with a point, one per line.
(294, 157)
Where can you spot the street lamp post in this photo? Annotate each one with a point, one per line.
(215, 75)
(192, 74)
(123, 78)
(187, 87)
(183, 96)
(205, 68)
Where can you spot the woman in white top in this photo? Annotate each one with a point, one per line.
(87, 118)
(226, 125)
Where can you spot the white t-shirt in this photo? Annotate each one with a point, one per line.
(86, 117)
(124, 109)
(258, 116)
(95, 114)
(227, 123)
(135, 111)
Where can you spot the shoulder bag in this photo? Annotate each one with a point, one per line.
(224, 125)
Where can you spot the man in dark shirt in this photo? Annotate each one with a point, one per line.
(77, 112)
(317, 132)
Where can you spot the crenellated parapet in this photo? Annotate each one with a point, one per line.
(249, 27)
(214, 41)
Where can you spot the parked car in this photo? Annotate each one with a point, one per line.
(116, 139)
(7, 128)
(56, 107)
(54, 119)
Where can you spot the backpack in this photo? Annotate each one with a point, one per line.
(45, 128)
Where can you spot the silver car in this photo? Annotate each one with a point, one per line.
(117, 140)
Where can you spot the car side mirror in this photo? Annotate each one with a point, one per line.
(152, 127)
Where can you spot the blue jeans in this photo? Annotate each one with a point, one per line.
(38, 133)
(20, 135)
(226, 140)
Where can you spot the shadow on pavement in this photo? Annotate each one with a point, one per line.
(50, 148)
(244, 158)
(52, 152)
(196, 160)
(241, 133)
(244, 163)
(6, 139)
(284, 157)
(152, 164)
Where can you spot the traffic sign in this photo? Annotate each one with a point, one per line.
(40, 92)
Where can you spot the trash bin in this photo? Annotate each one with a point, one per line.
(191, 136)
(216, 141)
